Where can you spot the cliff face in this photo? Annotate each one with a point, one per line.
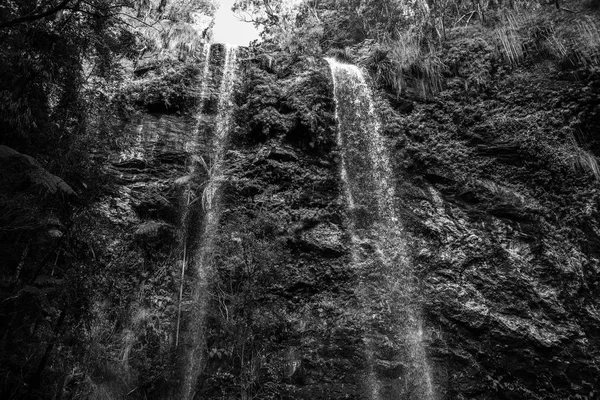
(280, 324)
(496, 189)
(503, 209)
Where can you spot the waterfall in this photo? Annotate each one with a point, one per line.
(378, 244)
(192, 145)
(192, 148)
(202, 258)
(205, 69)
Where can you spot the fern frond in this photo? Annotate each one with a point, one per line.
(510, 45)
(584, 160)
(38, 174)
(182, 180)
(200, 160)
(581, 159)
(6, 152)
(151, 228)
(52, 183)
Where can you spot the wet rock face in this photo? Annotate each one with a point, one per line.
(502, 235)
(136, 240)
(504, 302)
(504, 232)
(509, 289)
(155, 154)
(285, 279)
(296, 108)
(326, 239)
(279, 323)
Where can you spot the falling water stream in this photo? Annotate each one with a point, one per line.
(202, 257)
(378, 244)
(205, 69)
(192, 147)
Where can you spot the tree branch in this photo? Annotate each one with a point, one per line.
(28, 18)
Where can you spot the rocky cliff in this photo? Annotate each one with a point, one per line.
(496, 186)
(497, 189)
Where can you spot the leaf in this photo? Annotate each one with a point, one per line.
(46, 280)
(182, 180)
(55, 233)
(39, 175)
(151, 228)
(51, 182)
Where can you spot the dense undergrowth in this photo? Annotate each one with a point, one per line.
(412, 63)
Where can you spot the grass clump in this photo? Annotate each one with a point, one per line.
(413, 60)
(581, 159)
(408, 59)
(510, 40)
(571, 41)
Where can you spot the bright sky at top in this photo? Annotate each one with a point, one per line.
(229, 29)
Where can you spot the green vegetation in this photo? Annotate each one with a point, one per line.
(401, 43)
(166, 86)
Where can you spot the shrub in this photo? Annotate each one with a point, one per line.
(571, 41)
(170, 87)
(407, 59)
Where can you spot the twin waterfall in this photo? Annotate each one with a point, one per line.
(378, 245)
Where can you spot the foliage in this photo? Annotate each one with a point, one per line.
(241, 332)
(405, 38)
(408, 57)
(171, 40)
(314, 26)
(299, 109)
(128, 287)
(37, 174)
(174, 30)
(175, 10)
(293, 26)
(471, 58)
(63, 61)
(572, 41)
(47, 63)
(169, 86)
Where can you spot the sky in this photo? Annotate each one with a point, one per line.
(229, 29)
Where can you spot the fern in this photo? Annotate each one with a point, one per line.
(584, 160)
(52, 183)
(38, 174)
(182, 180)
(581, 159)
(151, 228)
(510, 45)
(408, 56)
(6, 152)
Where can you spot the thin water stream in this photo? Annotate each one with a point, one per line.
(210, 200)
(192, 147)
(378, 242)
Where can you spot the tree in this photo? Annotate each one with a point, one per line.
(50, 53)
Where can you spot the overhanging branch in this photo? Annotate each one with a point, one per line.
(33, 17)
